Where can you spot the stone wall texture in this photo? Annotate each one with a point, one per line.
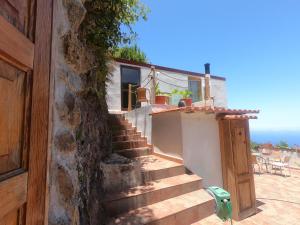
(80, 133)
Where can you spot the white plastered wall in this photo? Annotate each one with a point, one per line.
(167, 83)
(113, 90)
(193, 137)
(201, 147)
(141, 119)
(219, 92)
(167, 134)
(218, 87)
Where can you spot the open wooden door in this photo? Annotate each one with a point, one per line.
(236, 166)
(24, 109)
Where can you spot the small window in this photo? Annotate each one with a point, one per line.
(196, 89)
(129, 75)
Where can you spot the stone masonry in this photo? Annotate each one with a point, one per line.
(80, 135)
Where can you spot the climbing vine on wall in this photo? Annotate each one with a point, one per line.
(107, 24)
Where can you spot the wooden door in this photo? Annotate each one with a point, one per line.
(237, 168)
(21, 55)
(243, 167)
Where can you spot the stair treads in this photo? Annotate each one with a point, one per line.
(132, 137)
(151, 193)
(153, 162)
(135, 152)
(129, 144)
(154, 186)
(184, 209)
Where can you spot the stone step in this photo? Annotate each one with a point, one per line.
(181, 210)
(120, 145)
(117, 120)
(123, 126)
(151, 193)
(120, 132)
(119, 116)
(135, 152)
(133, 137)
(155, 168)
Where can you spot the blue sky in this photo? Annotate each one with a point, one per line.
(254, 44)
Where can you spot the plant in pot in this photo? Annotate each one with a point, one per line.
(161, 97)
(186, 97)
(175, 97)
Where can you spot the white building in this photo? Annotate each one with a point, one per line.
(210, 140)
(126, 72)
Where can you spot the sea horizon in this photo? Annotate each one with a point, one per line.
(274, 136)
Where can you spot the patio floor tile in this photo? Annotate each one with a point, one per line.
(278, 202)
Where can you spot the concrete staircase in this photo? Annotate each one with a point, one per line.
(169, 194)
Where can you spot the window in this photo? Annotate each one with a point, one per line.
(196, 89)
(129, 75)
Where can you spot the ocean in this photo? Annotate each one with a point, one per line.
(274, 137)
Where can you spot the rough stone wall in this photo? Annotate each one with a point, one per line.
(80, 133)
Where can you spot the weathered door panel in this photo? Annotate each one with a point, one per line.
(12, 101)
(236, 165)
(243, 167)
(25, 59)
(13, 194)
(16, 13)
(240, 151)
(16, 65)
(11, 218)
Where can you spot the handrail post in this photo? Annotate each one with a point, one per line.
(129, 98)
(153, 85)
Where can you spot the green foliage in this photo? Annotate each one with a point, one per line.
(107, 24)
(132, 53)
(282, 144)
(185, 93)
(175, 92)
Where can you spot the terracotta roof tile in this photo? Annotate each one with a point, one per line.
(216, 110)
(232, 117)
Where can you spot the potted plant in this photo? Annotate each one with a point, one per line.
(186, 97)
(161, 97)
(175, 96)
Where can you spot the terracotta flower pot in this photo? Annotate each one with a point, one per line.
(161, 99)
(188, 101)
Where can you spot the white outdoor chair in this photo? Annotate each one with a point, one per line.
(282, 165)
(260, 162)
(255, 162)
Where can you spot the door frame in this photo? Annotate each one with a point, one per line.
(41, 116)
(129, 67)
